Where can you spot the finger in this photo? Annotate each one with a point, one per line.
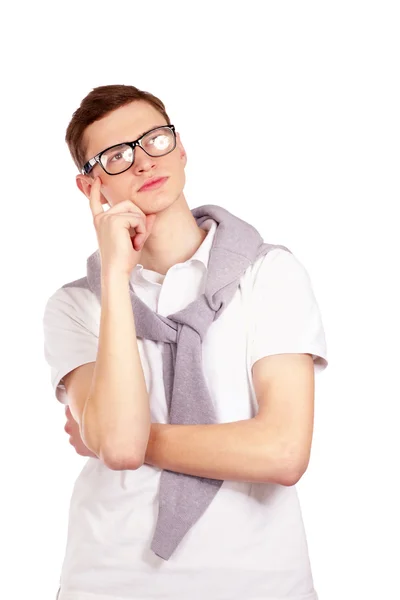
(138, 242)
(95, 198)
(126, 206)
(135, 223)
(141, 240)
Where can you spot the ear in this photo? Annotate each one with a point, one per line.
(84, 183)
(182, 151)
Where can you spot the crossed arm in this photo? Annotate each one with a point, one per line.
(273, 446)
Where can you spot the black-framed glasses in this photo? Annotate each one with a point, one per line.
(119, 158)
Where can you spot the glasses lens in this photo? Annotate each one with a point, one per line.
(156, 143)
(159, 142)
(117, 159)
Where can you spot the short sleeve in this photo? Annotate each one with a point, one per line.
(70, 336)
(285, 316)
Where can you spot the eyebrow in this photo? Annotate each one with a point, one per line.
(139, 136)
(119, 143)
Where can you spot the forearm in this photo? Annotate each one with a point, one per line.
(239, 451)
(116, 417)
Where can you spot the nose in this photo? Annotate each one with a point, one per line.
(142, 162)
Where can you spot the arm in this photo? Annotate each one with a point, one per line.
(72, 428)
(273, 446)
(234, 451)
(109, 398)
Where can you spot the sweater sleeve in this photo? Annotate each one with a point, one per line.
(285, 316)
(70, 327)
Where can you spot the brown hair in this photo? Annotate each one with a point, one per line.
(96, 105)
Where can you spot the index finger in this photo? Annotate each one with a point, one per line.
(94, 200)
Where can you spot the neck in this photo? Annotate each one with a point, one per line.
(175, 237)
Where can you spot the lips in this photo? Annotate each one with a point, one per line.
(152, 183)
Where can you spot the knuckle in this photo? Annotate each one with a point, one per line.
(128, 203)
(123, 206)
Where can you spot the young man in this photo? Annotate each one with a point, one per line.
(186, 357)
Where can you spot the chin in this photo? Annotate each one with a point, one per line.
(161, 202)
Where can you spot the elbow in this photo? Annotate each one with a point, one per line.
(121, 461)
(291, 469)
(129, 458)
(290, 477)
(119, 453)
(113, 457)
(122, 464)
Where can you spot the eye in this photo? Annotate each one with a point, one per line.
(161, 141)
(115, 157)
(125, 154)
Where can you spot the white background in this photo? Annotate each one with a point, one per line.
(289, 113)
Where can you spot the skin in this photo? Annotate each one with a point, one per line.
(275, 444)
(72, 429)
(175, 235)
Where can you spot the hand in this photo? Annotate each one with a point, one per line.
(121, 232)
(72, 428)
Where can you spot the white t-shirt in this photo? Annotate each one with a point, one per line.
(250, 543)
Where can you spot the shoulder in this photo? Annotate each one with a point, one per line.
(284, 313)
(74, 301)
(278, 265)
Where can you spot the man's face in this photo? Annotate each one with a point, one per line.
(127, 124)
